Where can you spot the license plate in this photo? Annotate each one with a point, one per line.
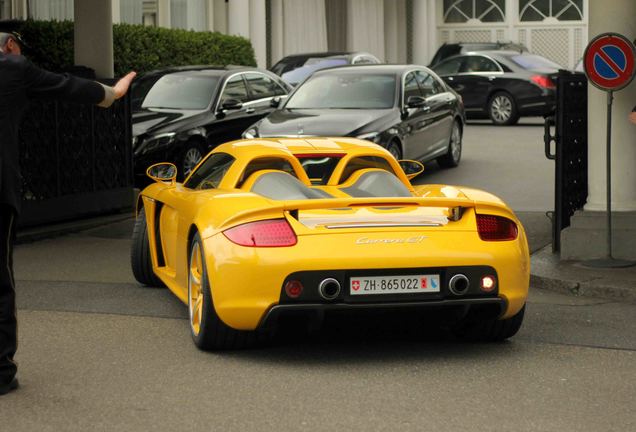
(364, 285)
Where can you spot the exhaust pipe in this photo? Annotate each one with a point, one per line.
(458, 284)
(329, 288)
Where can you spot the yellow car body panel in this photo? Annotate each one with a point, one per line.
(247, 282)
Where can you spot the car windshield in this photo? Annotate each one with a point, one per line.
(297, 75)
(535, 62)
(181, 91)
(345, 91)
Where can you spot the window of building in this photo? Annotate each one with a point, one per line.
(189, 14)
(461, 11)
(5, 9)
(47, 10)
(562, 10)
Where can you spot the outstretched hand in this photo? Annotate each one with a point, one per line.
(632, 116)
(123, 84)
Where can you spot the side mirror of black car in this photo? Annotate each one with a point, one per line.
(275, 102)
(416, 102)
(232, 104)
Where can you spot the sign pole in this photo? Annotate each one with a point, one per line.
(609, 66)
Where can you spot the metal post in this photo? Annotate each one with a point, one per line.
(609, 261)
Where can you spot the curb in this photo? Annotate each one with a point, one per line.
(32, 234)
(592, 288)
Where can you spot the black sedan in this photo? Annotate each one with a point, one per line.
(502, 85)
(188, 112)
(406, 109)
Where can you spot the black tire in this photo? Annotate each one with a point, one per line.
(453, 156)
(140, 260)
(394, 149)
(502, 109)
(212, 333)
(190, 157)
(473, 329)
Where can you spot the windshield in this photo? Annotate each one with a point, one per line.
(535, 62)
(179, 91)
(345, 90)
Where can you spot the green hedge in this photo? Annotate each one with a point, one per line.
(136, 47)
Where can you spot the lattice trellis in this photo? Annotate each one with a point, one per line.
(472, 36)
(551, 43)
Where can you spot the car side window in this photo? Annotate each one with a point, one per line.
(411, 88)
(262, 86)
(428, 84)
(449, 67)
(235, 89)
(479, 64)
(211, 172)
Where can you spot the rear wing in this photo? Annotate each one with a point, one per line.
(455, 206)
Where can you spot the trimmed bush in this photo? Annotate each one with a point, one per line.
(136, 47)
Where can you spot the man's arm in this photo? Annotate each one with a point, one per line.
(44, 84)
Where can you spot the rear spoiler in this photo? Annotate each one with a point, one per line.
(456, 206)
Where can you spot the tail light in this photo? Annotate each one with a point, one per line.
(496, 228)
(543, 81)
(266, 233)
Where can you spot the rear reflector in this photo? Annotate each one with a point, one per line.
(267, 233)
(293, 288)
(543, 81)
(496, 228)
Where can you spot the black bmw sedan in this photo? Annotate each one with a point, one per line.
(188, 112)
(406, 109)
(502, 85)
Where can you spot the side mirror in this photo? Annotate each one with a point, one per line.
(416, 102)
(162, 172)
(232, 104)
(275, 102)
(411, 168)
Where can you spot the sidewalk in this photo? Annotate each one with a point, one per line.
(571, 277)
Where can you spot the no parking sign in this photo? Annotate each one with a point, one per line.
(609, 61)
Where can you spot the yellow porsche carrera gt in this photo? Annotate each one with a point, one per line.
(267, 227)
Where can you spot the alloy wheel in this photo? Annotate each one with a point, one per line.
(195, 289)
(191, 159)
(456, 143)
(501, 108)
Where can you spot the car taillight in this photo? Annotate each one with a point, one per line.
(494, 228)
(266, 233)
(543, 81)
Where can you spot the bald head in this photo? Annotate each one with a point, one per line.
(9, 44)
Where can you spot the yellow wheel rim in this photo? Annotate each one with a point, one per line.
(195, 289)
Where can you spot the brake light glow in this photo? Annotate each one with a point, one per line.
(266, 233)
(488, 283)
(496, 228)
(543, 81)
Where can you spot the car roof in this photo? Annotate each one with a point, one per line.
(386, 68)
(300, 145)
(212, 69)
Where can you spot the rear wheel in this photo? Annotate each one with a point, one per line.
(477, 329)
(140, 260)
(454, 154)
(502, 109)
(207, 329)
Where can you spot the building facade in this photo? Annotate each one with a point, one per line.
(397, 31)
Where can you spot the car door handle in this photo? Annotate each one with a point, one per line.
(249, 110)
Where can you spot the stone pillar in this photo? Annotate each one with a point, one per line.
(19, 9)
(424, 30)
(365, 26)
(116, 12)
(239, 18)
(220, 16)
(163, 13)
(586, 238)
(258, 31)
(94, 36)
(395, 31)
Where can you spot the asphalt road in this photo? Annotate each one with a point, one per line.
(99, 352)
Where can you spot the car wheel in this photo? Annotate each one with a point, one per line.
(454, 154)
(207, 329)
(476, 329)
(140, 260)
(191, 157)
(394, 149)
(502, 109)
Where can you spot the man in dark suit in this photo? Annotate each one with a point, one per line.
(21, 80)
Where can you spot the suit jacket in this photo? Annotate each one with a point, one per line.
(21, 80)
